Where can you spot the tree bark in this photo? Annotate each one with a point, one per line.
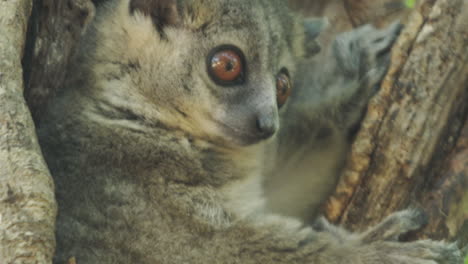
(377, 12)
(401, 156)
(54, 31)
(27, 205)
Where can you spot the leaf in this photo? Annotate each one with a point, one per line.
(411, 4)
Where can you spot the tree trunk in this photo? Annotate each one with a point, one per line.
(411, 149)
(54, 31)
(27, 203)
(405, 152)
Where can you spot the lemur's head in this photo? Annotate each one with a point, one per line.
(219, 70)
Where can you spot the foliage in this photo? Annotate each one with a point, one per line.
(411, 4)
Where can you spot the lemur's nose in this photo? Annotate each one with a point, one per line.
(266, 125)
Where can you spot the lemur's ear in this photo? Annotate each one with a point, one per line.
(313, 27)
(162, 12)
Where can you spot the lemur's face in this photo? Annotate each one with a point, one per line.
(243, 63)
(219, 70)
(252, 100)
(249, 86)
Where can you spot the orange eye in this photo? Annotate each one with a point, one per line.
(283, 88)
(226, 65)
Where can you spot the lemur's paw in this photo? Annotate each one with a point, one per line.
(395, 225)
(383, 239)
(418, 252)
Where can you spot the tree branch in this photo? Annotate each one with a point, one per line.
(412, 124)
(27, 205)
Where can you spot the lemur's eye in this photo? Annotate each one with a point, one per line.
(283, 87)
(226, 65)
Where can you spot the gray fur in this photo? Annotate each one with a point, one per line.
(328, 101)
(154, 163)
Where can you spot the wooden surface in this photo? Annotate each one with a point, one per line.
(27, 206)
(401, 156)
(54, 32)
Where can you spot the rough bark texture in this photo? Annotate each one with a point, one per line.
(450, 195)
(54, 31)
(27, 205)
(401, 155)
(377, 12)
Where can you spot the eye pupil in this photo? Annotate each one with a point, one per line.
(226, 65)
(229, 66)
